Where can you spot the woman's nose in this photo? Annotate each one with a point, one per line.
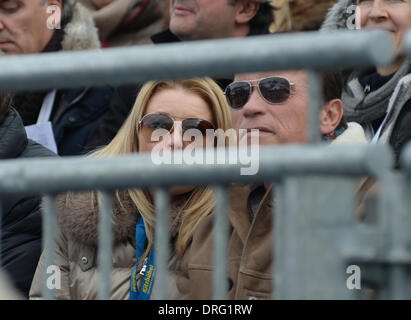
(176, 137)
(378, 11)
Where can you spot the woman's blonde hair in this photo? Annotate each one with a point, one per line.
(201, 201)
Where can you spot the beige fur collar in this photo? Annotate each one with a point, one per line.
(80, 33)
(78, 217)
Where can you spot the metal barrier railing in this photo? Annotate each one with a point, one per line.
(310, 50)
(138, 171)
(313, 51)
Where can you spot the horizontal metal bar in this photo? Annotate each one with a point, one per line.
(218, 58)
(407, 43)
(77, 173)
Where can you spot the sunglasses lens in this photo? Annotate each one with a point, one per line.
(275, 90)
(197, 124)
(152, 122)
(238, 94)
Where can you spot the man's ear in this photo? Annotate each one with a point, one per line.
(58, 3)
(245, 11)
(330, 116)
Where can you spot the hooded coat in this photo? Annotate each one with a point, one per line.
(371, 100)
(20, 215)
(77, 246)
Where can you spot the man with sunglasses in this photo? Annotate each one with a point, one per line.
(275, 103)
(191, 20)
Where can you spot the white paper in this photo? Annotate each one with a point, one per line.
(42, 133)
(47, 107)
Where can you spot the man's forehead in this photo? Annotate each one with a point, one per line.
(292, 75)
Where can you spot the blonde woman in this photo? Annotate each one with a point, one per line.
(175, 106)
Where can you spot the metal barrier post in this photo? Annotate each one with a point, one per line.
(1, 235)
(105, 245)
(49, 244)
(220, 277)
(162, 200)
(315, 106)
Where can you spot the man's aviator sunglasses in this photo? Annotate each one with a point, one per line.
(274, 90)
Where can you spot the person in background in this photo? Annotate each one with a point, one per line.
(379, 98)
(68, 118)
(299, 15)
(171, 106)
(275, 103)
(126, 22)
(20, 215)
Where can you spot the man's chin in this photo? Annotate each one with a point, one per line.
(8, 49)
(182, 28)
(261, 139)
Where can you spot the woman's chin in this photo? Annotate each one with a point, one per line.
(179, 190)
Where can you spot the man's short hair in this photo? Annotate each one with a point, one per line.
(262, 21)
(332, 85)
(332, 89)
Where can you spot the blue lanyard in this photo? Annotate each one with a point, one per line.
(148, 271)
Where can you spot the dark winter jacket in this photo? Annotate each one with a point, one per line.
(76, 112)
(20, 217)
(78, 117)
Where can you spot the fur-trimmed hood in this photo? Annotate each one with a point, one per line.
(78, 217)
(338, 15)
(80, 33)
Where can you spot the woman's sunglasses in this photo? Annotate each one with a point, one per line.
(153, 121)
(274, 90)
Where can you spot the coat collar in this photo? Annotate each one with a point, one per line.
(238, 214)
(78, 217)
(354, 134)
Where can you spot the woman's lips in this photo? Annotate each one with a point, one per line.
(260, 130)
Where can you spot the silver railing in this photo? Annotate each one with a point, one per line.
(284, 166)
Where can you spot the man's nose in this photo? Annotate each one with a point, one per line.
(255, 105)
